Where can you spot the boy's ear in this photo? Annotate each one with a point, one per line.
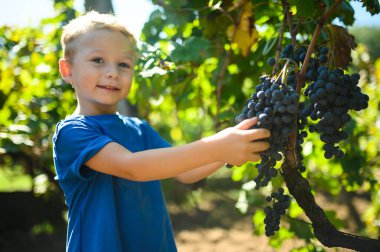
(65, 70)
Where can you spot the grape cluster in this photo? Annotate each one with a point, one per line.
(275, 106)
(331, 97)
(273, 214)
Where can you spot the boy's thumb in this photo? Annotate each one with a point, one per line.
(247, 124)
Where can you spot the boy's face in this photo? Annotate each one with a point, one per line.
(101, 71)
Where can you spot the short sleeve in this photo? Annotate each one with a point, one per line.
(75, 142)
(153, 138)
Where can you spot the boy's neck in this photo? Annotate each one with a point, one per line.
(78, 111)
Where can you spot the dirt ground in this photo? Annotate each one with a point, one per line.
(209, 223)
(216, 225)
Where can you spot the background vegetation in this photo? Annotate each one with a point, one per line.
(200, 61)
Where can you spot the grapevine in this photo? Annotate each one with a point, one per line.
(329, 94)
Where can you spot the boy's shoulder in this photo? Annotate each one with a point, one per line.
(93, 119)
(97, 122)
(74, 121)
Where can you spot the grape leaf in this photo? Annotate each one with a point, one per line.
(345, 13)
(244, 34)
(372, 6)
(305, 8)
(301, 229)
(331, 215)
(341, 45)
(211, 23)
(193, 49)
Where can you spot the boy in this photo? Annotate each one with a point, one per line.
(109, 165)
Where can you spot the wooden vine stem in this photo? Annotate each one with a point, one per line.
(299, 187)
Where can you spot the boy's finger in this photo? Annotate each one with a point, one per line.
(256, 134)
(247, 124)
(255, 157)
(259, 146)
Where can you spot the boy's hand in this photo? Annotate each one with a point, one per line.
(239, 144)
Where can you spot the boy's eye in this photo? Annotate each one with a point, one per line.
(97, 60)
(124, 65)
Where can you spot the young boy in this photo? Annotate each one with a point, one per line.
(109, 165)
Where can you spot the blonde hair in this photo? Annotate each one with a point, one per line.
(91, 21)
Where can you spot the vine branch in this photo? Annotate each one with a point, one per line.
(310, 49)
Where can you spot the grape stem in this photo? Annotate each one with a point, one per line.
(283, 72)
(310, 49)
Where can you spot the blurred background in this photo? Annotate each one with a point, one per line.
(185, 57)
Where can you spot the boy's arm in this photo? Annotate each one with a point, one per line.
(198, 173)
(233, 145)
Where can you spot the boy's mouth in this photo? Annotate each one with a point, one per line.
(109, 87)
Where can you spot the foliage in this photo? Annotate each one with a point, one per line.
(200, 61)
(230, 42)
(32, 95)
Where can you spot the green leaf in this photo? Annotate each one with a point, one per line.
(301, 229)
(258, 222)
(353, 159)
(194, 49)
(331, 215)
(345, 13)
(305, 8)
(372, 6)
(282, 235)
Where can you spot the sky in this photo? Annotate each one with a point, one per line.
(133, 13)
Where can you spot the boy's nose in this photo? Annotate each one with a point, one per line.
(112, 72)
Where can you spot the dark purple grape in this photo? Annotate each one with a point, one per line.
(271, 61)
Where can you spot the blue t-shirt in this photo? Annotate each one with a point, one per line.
(108, 213)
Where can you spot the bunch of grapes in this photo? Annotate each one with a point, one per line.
(331, 97)
(275, 106)
(281, 203)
